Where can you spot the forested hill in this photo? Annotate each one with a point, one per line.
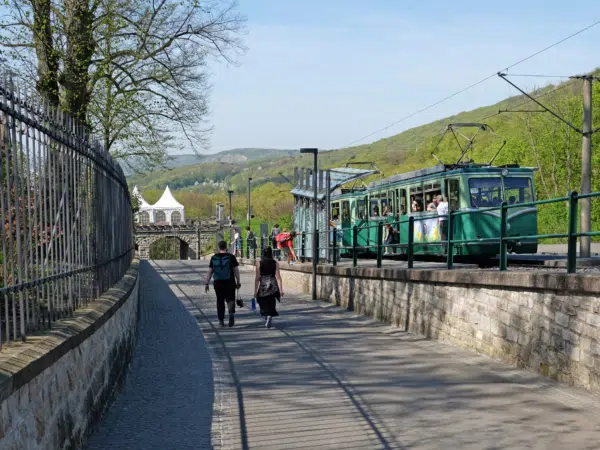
(533, 139)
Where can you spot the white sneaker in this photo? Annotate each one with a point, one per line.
(268, 322)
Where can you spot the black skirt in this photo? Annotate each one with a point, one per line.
(267, 306)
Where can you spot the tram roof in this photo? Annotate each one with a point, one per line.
(440, 168)
(338, 177)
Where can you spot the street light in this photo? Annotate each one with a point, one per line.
(315, 152)
(249, 180)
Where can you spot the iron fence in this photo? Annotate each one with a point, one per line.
(67, 233)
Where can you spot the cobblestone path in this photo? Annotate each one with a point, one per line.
(322, 378)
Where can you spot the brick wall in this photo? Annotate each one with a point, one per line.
(548, 323)
(56, 387)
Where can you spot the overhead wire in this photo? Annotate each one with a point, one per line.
(473, 85)
(497, 113)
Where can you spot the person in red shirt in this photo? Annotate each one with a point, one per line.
(285, 242)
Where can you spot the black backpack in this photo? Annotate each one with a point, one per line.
(222, 267)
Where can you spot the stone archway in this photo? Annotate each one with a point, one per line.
(170, 247)
(187, 249)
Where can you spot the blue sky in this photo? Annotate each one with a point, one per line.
(325, 73)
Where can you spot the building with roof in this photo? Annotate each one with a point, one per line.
(166, 211)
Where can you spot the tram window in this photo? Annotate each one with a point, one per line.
(384, 207)
(485, 192)
(360, 209)
(335, 209)
(345, 210)
(391, 202)
(374, 210)
(452, 192)
(402, 203)
(517, 190)
(416, 199)
(432, 190)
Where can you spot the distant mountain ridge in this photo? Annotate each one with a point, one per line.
(233, 156)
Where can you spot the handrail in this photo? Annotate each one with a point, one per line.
(501, 240)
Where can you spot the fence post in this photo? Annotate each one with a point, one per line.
(379, 243)
(354, 245)
(303, 246)
(449, 243)
(503, 251)
(262, 245)
(572, 234)
(411, 239)
(334, 245)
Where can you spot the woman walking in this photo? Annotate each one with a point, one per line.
(268, 287)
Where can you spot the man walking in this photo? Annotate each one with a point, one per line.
(224, 267)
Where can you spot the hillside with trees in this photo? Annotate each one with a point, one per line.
(534, 138)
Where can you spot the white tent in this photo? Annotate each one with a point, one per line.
(166, 211)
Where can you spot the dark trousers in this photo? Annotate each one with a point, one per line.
(444, 234)
(225, 294)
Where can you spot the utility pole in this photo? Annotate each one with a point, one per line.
(230, 192)
(249, 180)
(586, 169)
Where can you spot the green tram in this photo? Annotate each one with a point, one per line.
(469, 187)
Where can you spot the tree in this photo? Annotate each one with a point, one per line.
(134, 71)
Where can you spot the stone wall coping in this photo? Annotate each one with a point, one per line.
(22, 362)
(577, 283)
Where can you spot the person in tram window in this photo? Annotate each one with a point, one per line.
(512, 200)
(375, 211)
(417, 205)
(385, 211)
(432, 207)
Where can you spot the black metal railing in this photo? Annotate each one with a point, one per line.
(67, 233)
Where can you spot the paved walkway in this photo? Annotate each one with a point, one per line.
(323, 378)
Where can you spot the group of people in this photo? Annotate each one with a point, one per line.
(268, 287)
(438, 205)
(281, 241)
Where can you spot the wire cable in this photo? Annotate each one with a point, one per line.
(473, 85)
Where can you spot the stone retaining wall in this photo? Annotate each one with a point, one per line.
(548, 323)
(54, 388)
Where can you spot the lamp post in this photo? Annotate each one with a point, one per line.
(249, 180)
(315, 152)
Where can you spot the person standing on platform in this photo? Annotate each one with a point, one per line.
(250, 243)
(237, 243)
(442, 210)
(224, 267)
(268, 287)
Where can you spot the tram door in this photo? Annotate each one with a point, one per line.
(452, 192)
(346, 221)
